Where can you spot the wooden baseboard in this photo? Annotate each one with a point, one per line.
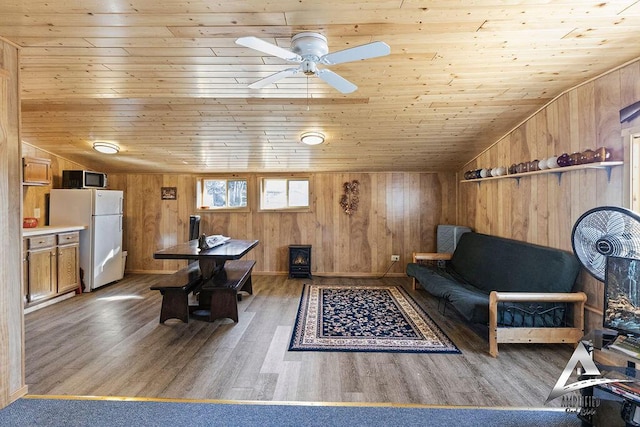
(150, 271)
(593, 309)
(22, 391)
(47, 303)
(285, 273)
(356, 275)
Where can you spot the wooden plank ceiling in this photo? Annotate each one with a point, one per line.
(166, 81)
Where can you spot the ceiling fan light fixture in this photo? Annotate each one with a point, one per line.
(312, 138)
(106, 147)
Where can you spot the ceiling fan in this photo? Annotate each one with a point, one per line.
(309, 50)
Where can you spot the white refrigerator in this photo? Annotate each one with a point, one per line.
(101, 242)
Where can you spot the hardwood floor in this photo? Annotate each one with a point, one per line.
(109, 343)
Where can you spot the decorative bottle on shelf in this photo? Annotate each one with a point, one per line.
(602, 154)
(587, 156)
(564, 160)
(574, 159)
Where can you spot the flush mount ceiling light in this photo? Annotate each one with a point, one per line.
(106, 147)
(312, 138)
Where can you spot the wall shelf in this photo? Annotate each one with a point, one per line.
(556, 171)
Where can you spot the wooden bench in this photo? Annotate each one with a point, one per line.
(175, 290)
(220, 295)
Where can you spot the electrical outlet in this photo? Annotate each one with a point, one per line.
(36, 212)
(395, 257)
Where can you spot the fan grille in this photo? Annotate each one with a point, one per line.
(602, 232)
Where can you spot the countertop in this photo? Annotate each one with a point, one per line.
(39, 231)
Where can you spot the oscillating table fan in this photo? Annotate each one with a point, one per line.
(602, 232)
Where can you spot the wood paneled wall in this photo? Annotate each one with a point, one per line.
(398, 214)
(542, 209)
(38, 196)
(12, 374)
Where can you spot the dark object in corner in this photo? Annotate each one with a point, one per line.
(194, 227)
(630, 112)
(300, 261)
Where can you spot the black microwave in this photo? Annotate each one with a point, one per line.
(83, 179)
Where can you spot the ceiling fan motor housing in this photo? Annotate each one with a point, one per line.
(310, 46)
(609, 246)
(308, 67)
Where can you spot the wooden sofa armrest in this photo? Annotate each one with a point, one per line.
(535, 334)
(538, 296)
(431, 256)
(428, 256)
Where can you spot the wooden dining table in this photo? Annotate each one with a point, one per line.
(218, 292)
(210, 261)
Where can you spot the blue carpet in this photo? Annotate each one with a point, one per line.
(114, 413)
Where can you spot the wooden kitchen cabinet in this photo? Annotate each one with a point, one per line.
(68, 262)
(36, 171)
(42, 268)
(25, 269)
(51, 266)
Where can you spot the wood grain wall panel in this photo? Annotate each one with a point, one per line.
(539, 152)
(379, 197)
(362, 235)
(422, 226)
(607, 105)
(397, 214)
(12, 370)
(544, 208)
(630, 88)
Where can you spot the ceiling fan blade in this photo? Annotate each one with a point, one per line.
(366, 51)
(338, 82)
(274, 78)
(269, 48)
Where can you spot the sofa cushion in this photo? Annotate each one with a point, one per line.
(493, 263)
(531, 315)
(470, 302)
(433, 280)
(473, 304)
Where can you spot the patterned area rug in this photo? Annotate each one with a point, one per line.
(365, 318)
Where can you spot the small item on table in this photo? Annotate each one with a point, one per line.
(205, 242)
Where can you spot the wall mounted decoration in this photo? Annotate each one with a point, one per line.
(169, 193)
(349, 200)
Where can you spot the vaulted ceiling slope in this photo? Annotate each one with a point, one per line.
(166, 81)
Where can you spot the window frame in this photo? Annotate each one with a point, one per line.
(199, 188)
(261, 187)
(632, 178)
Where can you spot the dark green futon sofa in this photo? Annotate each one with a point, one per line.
(520, 290)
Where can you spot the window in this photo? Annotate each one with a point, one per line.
(284, 193)
(221, 193)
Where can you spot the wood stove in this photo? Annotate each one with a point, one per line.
(300, 261)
